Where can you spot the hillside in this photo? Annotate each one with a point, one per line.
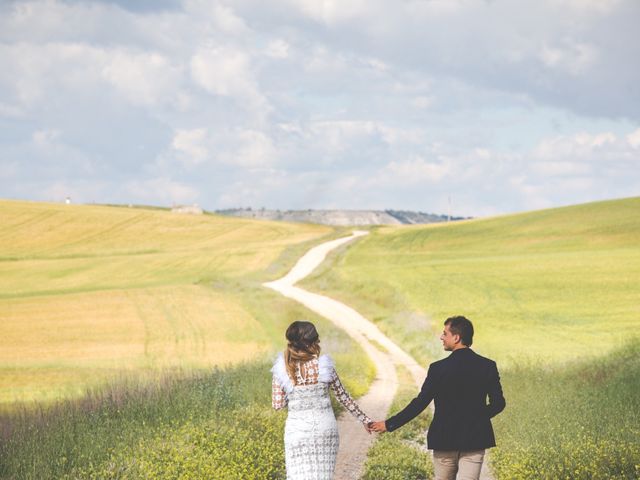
(554, 299)
(89, 293)
(530, 280)
(136, 342)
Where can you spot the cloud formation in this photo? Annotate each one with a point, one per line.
(321, 104)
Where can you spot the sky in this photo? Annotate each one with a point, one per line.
(492, 106)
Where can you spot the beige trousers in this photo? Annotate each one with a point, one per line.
(448, 464)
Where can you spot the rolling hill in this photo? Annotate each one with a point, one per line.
(89, 293)
(554, 298)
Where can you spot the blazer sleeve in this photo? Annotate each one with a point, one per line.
(417, 405)
(496, 398)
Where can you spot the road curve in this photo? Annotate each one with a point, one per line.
(354, 440)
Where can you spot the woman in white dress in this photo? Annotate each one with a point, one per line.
(301, 380)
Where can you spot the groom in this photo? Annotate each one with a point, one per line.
(459, 385)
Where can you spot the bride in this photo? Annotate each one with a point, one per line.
(301, 379)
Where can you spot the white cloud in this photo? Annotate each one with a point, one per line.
(256, 149)
(595, 6)
(324, 61)
(45, 138)
(503, 105)
(401, 136)
(577, 145)
(338, 135)
(11, 111)
(291, 128)
(377, 64)
(240, 148)
(331, 11)
(222, 71)
(278, 49)
(258, 190)
(574, 58)
(422, 102)
(143, 78)
(226, 71)
(191, 144)
(227, 20)
(634, 138)
(34, 21)
(56, 154)
(415, 170)
(560, 168)
(162, 189)
(43, 73)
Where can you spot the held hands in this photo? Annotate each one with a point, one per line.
(378, 427)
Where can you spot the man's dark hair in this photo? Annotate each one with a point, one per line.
(461, 326)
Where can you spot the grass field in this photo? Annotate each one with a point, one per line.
(206, 425)
(553, 295)
(554, 285)
(111, 323)
(189, 425)
(135, 306)
(89, 292)
(571, 422)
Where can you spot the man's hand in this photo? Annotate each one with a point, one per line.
(378, 427)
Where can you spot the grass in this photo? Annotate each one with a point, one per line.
(181, 426)
(89, 293)
(529, 282)
(173, 423)
(178, 424)
(401, 455)
(133, 343)
(575, 422)
(53, 249)
(553, 290)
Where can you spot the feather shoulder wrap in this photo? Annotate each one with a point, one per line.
(326, 373)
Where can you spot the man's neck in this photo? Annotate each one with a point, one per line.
(460, 346)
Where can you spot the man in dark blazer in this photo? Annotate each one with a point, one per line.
(460, 386)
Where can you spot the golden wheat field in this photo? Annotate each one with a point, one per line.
(88, 293)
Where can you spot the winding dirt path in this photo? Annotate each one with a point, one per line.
(354, 440)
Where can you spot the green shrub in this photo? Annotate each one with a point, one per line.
(112, 433)
(244, 444)
(573, 422)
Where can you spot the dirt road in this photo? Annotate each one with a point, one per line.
(354, 440)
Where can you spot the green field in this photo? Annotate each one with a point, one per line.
(112, 318)
(89, 293)
(555, 285)
(553, 295)
(136, 343)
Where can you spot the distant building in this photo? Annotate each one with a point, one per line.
(189, 209)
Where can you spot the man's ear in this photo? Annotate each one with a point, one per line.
(456, 338)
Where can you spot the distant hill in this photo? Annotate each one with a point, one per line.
(339, 217)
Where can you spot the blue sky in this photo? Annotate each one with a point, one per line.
(292, 104)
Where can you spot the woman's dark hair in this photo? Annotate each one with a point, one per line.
(304, 344)
(461, 326)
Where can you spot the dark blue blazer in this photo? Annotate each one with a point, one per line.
(460, 386)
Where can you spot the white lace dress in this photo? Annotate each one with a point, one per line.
(311, 432)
